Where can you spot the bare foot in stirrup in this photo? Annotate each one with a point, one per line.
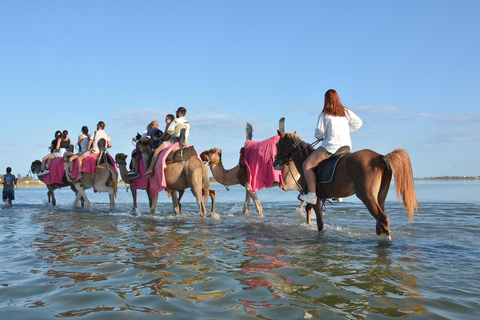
(78, 177)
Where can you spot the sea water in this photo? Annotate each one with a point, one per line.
(60, 262)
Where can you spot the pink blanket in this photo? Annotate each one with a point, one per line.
(57, 171)
(140, 183)
(158, 182)
(88, 165)
(259, 157)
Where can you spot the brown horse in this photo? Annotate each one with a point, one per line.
(364, 173)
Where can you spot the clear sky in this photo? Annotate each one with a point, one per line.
(409, 69)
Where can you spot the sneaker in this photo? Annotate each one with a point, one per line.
(134, 175)
(131, 173)
(41, 173)
(309, 198)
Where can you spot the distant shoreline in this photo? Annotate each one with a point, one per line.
(40, 184)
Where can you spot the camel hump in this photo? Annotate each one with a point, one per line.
(181, 155)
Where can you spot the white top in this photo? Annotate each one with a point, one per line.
(100, 134)
(335, 131)
(177, 125)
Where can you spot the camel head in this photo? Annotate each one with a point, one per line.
(35, 167)
(213, 155)
(121, 158)
(144, 147)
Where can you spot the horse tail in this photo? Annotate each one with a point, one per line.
(399, 162)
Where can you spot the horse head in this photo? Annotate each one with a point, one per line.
(288, 146)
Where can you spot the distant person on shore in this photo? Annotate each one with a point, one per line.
(9, 182)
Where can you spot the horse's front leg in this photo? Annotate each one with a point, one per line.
(308, 211)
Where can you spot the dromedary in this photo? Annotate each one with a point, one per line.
(189, 173)
(35, 168)
(121, 160)
(104, 179)
(238, 175)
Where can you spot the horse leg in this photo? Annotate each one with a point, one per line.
(308, 210)
(375, 209)
(318, 213)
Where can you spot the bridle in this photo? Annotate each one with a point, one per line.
(297, 148)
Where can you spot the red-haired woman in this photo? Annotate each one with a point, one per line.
(334, 126)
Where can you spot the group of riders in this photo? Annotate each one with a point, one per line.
(334, 125)
(89, 144)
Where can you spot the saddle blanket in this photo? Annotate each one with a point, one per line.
(327, 167)
(259, 157)
(140, 183)
(89, 164)
(158, 181)
(57, 172)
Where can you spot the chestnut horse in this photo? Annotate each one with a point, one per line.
(364, 173)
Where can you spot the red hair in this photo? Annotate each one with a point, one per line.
(333, 106)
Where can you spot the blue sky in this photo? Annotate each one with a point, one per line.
(409, 69)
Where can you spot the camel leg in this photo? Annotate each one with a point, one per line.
(246, 205)
(112, 200)
(134, 197)
(153, 203)
(176, 203)
(213, 196)
(254, 196)
(81, 194)
(197, 193)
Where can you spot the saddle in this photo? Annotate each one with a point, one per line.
(327, 167)
(181, 155)
(103, 154)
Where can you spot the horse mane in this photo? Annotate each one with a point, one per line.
(296, 138)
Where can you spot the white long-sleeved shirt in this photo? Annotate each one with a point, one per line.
(335, 131)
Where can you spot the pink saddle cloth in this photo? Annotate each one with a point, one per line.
(140, 183)
(57, 171)
(158, 182)
(259, 157)
(88, 166)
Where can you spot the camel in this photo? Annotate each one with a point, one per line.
(103, 180)
(238, 175)
(36, 167)
(189, 173)
(121, 160)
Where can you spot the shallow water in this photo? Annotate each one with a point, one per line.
(59, 262)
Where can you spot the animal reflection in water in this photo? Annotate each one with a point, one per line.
(364, 173)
